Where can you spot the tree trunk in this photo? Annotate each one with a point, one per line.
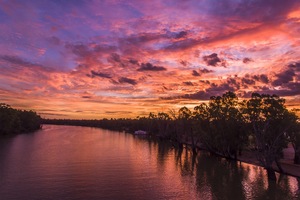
(297, 155)
(279, 165)
(271, 174)
(194, 150)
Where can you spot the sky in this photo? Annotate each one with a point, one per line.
(89, 59)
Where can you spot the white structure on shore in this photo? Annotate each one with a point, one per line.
(140, 132)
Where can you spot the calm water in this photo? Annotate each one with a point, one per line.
(65, 162)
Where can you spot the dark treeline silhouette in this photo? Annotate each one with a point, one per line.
(13, 121)
(225, 126)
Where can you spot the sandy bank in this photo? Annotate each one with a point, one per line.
(287, 162)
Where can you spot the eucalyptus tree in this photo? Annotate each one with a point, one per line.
(202, 126)
(227, 124)
(29, 120)
(152, 125)
(184, 124)
(163, 123)
(9, 120)
(14, 121)
(270, 121)
(294, 136)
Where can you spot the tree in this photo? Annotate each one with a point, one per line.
(294, 135)
(9, 120)
(163, 123)
(184, 121)
(270, 121)
(201, 117)
(29, 120)
(223, 125)
(14, 121)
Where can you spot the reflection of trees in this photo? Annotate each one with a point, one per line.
(298, 190)
(223, 178)
(219, 178)
(224, 126)
(185, 160)
(163, 149)
(270, 121)
(279, 190)
(294, 136)
(230, 180)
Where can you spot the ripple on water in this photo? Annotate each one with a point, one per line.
(65, 162)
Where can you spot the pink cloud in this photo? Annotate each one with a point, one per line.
(120, 58)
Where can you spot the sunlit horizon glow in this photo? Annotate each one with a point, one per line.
(112, 58)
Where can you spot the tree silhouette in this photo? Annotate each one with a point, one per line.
(270, 122)
(14, 121)
(224, 126)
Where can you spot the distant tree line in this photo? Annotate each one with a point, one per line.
(225, 126)
(14, 121)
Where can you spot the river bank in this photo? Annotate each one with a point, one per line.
(287, 162)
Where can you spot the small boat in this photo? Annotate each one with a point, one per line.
(140, 132)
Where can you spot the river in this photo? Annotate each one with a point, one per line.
(68, 162)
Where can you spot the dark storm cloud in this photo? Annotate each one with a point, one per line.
(150, 67)
(113, 81)
(103, 48)
(181, 34)
(262, 78)
(188, 83)
(195, 73)
(247, 60)
(181, 45)
(213, 90)
(21, 62)
(80, 50)
(205, 82)
(201, 95)
(292, 89)
(114, 57)
(295, 66)
(184, 63)
(288, 78)
(99, 74)
(263, 12)
(127, 80)
(86, 97)
(83, 51)
(254, 10)
(248, 81)
(142, 38)
(212, 59)
(251, 79)
(201, 71)
(230, 84)
(205, 71)
(284, 77)
(133, 61)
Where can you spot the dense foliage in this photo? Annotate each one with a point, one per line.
(225, 126)
(13, 121)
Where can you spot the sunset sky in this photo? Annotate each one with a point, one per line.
(86, 59)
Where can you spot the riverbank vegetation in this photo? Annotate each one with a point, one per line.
(225, 126)
(14, 121)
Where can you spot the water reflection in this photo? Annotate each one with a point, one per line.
(62, 162)
(218, 178)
